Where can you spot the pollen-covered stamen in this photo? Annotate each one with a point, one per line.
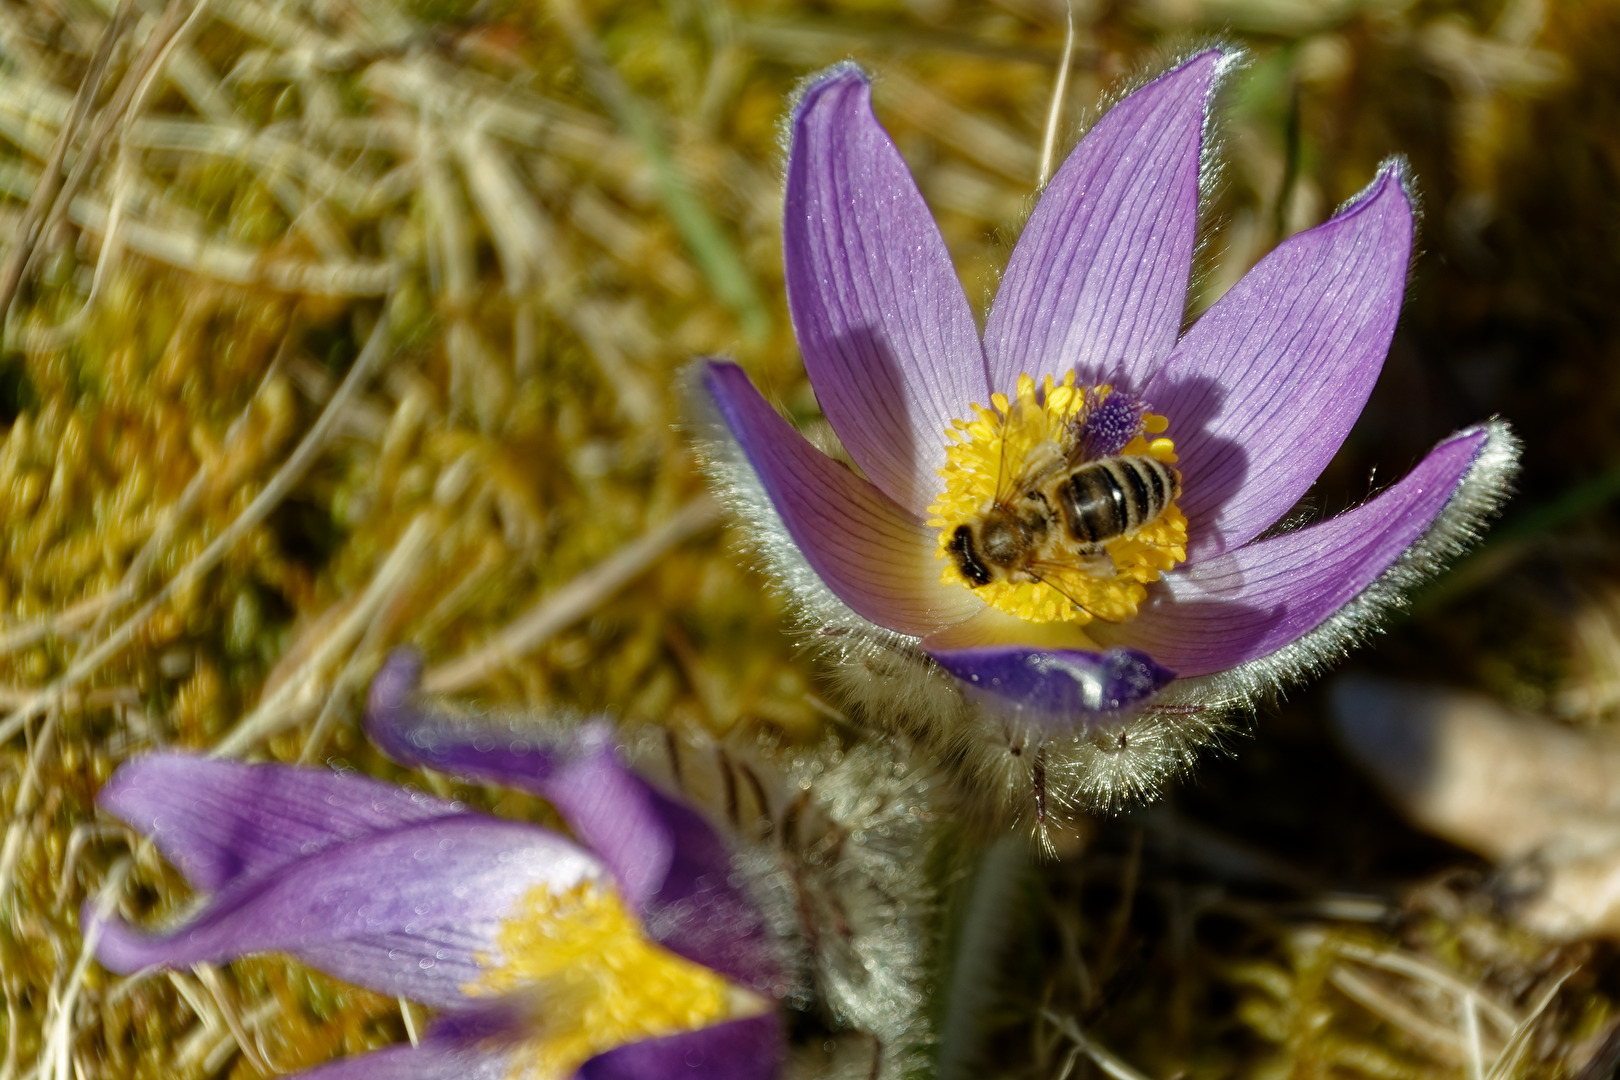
(600, 981)
(1059, 504)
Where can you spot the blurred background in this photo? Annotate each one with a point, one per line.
(337, 324)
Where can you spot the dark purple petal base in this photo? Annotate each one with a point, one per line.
(1061, 684)
(740, 1050)
(748, 1049)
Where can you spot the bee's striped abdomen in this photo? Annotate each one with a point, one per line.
(1111, 497)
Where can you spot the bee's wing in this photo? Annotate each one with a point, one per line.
(1039, 467)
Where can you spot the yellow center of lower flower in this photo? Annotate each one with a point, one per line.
(598, 981)
(1043, 526)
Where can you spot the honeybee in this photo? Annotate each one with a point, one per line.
(1062, 514)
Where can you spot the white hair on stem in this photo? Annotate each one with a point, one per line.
(838, 846)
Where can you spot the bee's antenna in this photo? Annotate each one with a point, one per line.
(1032, 571)
(1065, 593)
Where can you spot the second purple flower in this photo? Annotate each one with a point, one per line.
(782, 928)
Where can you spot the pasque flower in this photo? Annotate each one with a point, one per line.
(630, 950)
(1056, 541)
(669, 936)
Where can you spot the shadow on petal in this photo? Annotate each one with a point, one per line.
(1269, 594)
(1215, 471)
(1298, 343)
(888, 338)
(901, 446)
(871, 553)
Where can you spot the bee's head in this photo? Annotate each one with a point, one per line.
(965, 550)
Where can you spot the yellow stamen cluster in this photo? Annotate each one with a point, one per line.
(600, 982)
(990, 459)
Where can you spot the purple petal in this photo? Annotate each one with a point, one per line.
(216, 820)
(575, 768)
(1267, 595)
(430, 1061)
(748, 1049)
(488, 1020)
(1263, 389)
(1098, 280)
(672, 867)
(1058, 687)
(877, 558)
(888, 338)
(409, 912)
